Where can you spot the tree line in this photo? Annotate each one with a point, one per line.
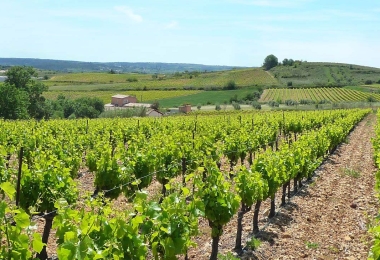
(21, 97)
(271, 61)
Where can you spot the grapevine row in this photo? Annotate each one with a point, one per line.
(129, 154)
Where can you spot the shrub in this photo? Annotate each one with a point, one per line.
(371, 99)
(306, 102)
(323, 101)
(236, 106)
(273, 103)
(290, 102)
(155, 105)
(132, 79)
(234, 98)
(199, 106)
(368, 82)
(217, 107)
(256, 105)
(231, 85)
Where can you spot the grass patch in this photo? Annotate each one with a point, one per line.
(228, 256)
(312, 245)
(351, 172)
(254, 243)
(334, 249)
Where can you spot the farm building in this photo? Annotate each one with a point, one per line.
(185, 108)
(154, 113)
(125, 102)
(120, 100)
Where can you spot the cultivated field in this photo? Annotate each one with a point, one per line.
(317, 95)
(318, 74)
(90, 81)
(166, 188)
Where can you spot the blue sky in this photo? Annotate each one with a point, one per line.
(223, 32)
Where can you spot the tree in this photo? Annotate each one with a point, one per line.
(270, 62)
(20, 78)
(13, 102)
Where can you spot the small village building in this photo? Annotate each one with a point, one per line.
(185, 108)
(130, 102)
(154, 113)
(120, 100)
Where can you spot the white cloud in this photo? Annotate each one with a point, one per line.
(172, 25)
(272, 3)
(129, 13)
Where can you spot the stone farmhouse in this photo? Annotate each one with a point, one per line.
(125, 102)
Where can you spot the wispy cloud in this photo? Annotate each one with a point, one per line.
(353, 15)
(272, 3)
(129, 13)
(172, 25)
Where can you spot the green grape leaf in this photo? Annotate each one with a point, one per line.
(22, 220)
(37, 242)
(8, 188)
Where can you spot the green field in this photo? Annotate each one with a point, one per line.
(207, 97)
(317, 95)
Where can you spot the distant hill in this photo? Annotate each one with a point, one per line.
(324, 74)
(121, 67)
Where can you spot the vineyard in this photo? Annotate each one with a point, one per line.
(316, 95)
(155, 181)
(376, 229)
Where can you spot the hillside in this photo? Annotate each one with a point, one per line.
(195, 80)
(320, 74)
(123, 67)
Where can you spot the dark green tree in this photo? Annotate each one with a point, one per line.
(21, 78)
(88, 107)
(13, 102)
(270, 62)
